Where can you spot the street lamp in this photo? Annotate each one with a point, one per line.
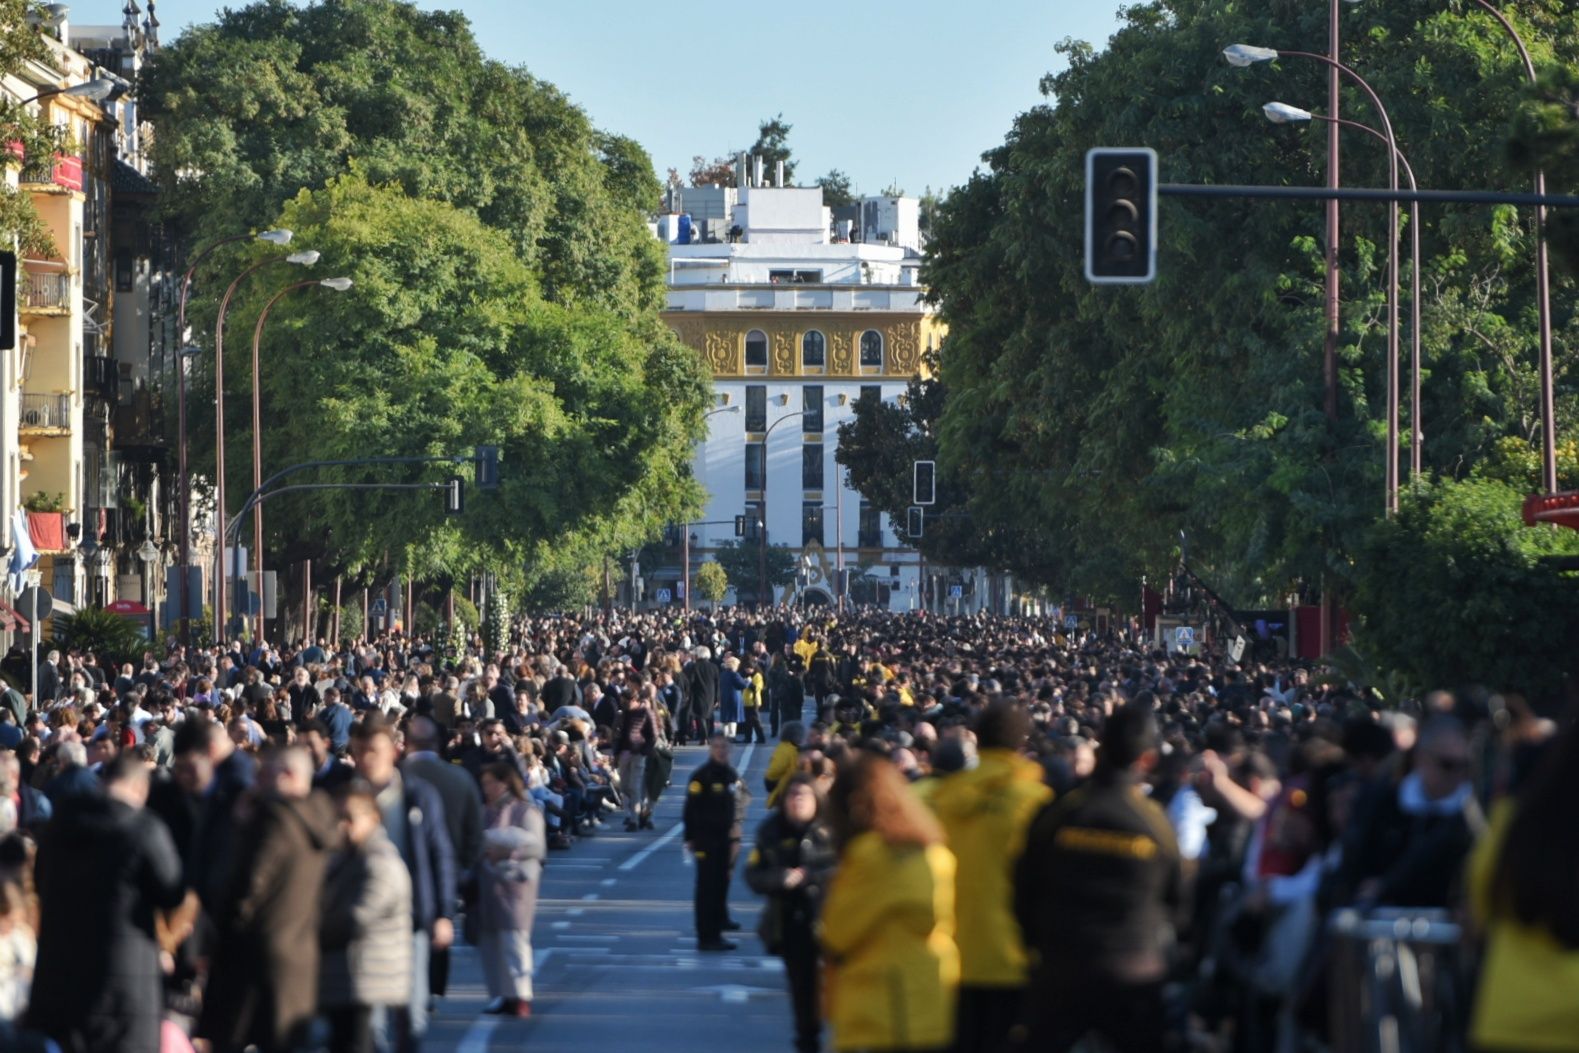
(304, 259)
(273, 237)
(1543, 282)
(762, 505)
(338, 285)
(96, 90)
(1243, 55)
(685, 544)
(148, 552)
(1283, 113)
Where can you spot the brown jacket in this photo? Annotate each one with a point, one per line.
(264, 985)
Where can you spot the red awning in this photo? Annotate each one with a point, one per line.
(131, 607)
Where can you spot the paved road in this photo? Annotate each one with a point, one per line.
(617, 966)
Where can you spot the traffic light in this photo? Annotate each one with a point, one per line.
(740, 526)
(487, 467)
(915, 523)
(454, 495)
(7, 300)
(924, 483)
(1121, 216)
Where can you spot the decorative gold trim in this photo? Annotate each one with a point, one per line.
(720, 338)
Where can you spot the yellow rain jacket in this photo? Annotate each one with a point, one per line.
(985, 811)
(783, 763)
(1527, 981)
(888, 933)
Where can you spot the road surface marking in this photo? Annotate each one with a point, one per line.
(478, 1035)
(575, 912)
(641, 857)
(589, 897)
(607, 882)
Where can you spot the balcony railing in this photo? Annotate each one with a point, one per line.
(46, 291)
(46, 412)
(62, 170)
(102, 377)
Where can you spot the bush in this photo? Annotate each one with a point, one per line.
(1452, 592)
(111, 637)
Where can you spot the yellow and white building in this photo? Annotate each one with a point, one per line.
(799, 310)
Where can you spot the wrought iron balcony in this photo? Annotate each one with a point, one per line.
(45, 414)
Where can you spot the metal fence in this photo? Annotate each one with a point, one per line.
(1399, 982)
(45, 290)
(46, 411)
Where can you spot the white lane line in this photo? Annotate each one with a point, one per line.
(641, 857)
(589, 897)
(560, 925)
(540, 959)
(478, 1035)
(607, 882)
(590, 939)
(574, 912)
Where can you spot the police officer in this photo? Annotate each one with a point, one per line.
(1096, 893)
(713, 816)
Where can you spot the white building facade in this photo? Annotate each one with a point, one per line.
(798, 313)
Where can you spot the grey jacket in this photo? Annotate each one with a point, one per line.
(366, 931)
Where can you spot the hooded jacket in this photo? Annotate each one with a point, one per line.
(985, 811)
(888, 933)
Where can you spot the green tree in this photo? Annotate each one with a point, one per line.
(1102, 421)
(496, 623)
(113, 638)
(720, 171)
(740, 561)
(772, 146)
(21, 42)
(442, 343)
(1453, 592)
(837, 191)
(271, 98)
(711, 581)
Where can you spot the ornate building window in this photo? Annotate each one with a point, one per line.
(757, 349)
(871, 349)
(813, 350)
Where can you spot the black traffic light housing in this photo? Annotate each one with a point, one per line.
(454, 495)
(8, 279)
(924, 483)
(1121, 216)
(487, 467)
(915, 523)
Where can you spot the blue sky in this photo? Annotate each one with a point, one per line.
(887, 91)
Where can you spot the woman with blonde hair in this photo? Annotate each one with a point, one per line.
(888, 920)
(731, 695)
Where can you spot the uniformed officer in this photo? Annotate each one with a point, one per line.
(713, 817)
(1096, 893)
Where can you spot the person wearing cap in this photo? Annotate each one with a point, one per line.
(1095, 892)
(712, 829)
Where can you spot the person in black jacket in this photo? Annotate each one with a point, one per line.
(790, 865)
(712, 820)
(105, 866)
(701, 692)
(1096, 892)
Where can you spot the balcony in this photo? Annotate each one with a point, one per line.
(102, 377)
(45, 415)
(45, 292)
(138, 422)
(63, 172)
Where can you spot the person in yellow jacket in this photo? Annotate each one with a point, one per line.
(985, 812)
(1524, 896)
(806, 647)
(785, 761)
(888, 919)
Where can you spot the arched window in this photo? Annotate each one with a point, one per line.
(813, 350)
(872, 349)
(757, 348)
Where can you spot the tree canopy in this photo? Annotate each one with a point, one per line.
(506, 289)
(19, 43)
(1103, 421)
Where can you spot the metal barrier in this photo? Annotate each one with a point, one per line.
(46, 290)
(1398, 982)
(46, 411)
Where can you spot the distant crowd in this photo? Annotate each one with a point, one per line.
(985, 834)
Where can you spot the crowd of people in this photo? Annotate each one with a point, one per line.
(984, 834)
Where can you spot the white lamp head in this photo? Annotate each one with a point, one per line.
(99, 88)
(303, 259)
(337, 284)
(277, 237)
(1283, 113)
(1247, 54)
